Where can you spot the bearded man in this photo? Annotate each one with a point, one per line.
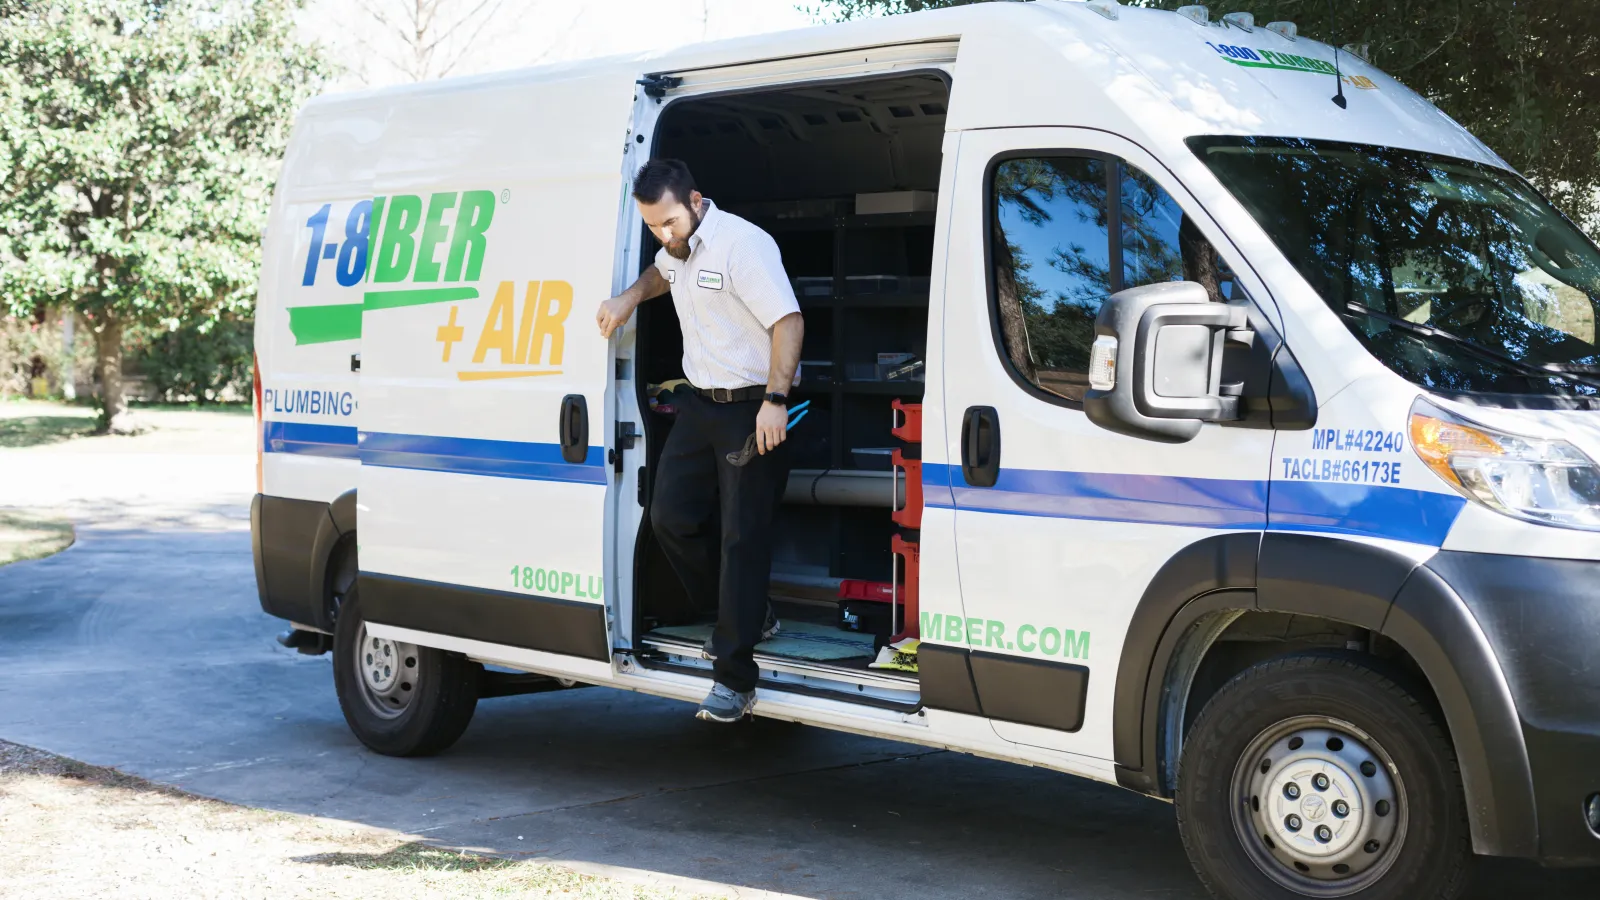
(742, 332)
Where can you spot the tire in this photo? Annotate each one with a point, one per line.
(1282, 748)
(420, 706)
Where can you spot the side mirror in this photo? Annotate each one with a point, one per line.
(1155, 370)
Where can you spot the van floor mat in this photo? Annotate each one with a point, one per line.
(796, 640)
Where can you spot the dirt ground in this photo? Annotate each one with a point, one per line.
(71, 830)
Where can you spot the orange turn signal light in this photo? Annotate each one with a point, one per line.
(1437, 440)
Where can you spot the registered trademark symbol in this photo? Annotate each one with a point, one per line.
(505, 195)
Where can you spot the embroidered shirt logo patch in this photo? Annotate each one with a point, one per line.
(711, 281)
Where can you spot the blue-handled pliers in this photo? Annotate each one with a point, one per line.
(743, 457)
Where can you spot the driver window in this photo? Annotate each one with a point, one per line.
(1055, 260)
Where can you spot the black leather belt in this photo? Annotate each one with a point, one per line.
(733, 395)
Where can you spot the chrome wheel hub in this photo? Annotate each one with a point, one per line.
(388, 673)
(1319, 806)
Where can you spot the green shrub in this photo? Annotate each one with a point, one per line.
(22, 340)
(206, 362)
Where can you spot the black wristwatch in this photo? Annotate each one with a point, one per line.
(778, 397)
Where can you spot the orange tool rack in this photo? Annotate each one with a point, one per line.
(907, 426)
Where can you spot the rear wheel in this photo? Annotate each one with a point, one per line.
(398, 698)
(1318, 776)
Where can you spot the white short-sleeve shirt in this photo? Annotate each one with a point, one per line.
(729, 293)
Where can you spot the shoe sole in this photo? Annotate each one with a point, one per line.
(706, 715)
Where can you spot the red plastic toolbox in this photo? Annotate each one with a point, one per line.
(910, 430)
(856, 589)
(909, 612)
(910, 515)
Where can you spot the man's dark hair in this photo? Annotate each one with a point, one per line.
(660, 176)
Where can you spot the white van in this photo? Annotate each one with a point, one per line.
(1246, 436)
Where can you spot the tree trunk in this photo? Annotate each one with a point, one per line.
(114, 418)
(1013, 323)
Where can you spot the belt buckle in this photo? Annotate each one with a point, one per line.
(721, 395)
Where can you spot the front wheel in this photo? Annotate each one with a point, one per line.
(400, 699)
(1318, 776)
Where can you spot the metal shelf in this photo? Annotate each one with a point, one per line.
(866, 301)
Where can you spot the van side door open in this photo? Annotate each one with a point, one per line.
(1061, 525)
(483, 485)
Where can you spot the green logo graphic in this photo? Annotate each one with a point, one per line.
(406, 244)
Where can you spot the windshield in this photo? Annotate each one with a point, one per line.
(1456, 275)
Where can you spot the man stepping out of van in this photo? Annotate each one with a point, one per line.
(741, 343)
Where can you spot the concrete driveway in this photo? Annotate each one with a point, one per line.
(143, 648)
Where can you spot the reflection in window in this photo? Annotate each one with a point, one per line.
(1456, 275)
(1052, 265)
(1055, 263)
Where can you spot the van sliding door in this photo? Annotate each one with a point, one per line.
(483, 492)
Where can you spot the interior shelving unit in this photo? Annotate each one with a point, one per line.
(862, 283)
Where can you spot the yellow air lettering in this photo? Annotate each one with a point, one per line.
(499, 328)
(434, 232)
(542, 318)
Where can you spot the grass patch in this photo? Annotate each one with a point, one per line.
(413, 857)
(25, 535)
(37, 431)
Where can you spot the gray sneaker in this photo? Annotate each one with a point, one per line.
(724, 704)
(768, 628)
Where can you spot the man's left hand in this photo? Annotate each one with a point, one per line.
(772, 426)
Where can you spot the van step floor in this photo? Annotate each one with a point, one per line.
(794, 640)
(848, 676)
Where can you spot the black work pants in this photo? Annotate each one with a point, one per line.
(714, 521)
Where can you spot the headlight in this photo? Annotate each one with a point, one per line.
(1546, 481)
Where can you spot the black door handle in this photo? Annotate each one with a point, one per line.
(980, 446)
(574, 428)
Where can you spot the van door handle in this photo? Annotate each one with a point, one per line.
(574, 428)
(980, 446)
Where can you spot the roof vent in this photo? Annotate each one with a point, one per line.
(1107, 8)
(1197, 14)
(1362, 51)
(1241, 20)
(1284, 29)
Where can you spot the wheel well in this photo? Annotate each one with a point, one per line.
(339, 577)
(1225, 643)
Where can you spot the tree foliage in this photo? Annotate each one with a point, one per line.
(1523, 75)
(139, 141)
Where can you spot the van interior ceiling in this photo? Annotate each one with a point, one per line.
(845, 177)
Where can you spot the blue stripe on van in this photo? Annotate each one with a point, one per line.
(1401, 514)
(474, 456)
(1421, 517)
(305, 439)
(429, 453)
(1110, 497)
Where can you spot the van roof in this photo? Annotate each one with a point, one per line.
(1153, 76)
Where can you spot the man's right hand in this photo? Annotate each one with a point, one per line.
(614, 313)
